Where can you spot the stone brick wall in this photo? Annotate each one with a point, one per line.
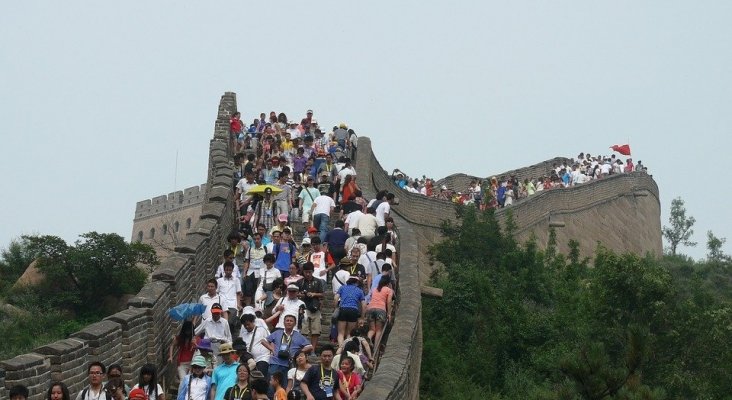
(143, 332)
(164, 221)
(397, 375)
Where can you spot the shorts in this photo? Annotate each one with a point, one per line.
(376, 315)
(311, 323)
(348, 314)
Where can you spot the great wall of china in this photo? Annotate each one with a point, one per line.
(622, 212)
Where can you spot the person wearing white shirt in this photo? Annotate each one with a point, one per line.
(268, 275)
(197, 384)
(252, 334)
(253, 265)
(345, 171)
(228, 256)
(340, 278)
(216, 330)
(352, 219)
(367, 224)
(383, 210)
(290, 304)
(230, 290)
(210, 298)
(322, 207)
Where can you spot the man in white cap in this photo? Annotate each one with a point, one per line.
(290, 304)
(196, 385)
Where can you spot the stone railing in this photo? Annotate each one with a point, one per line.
(143, 332)
(397, 375)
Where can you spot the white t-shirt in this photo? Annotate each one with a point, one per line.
(323, 205)
(208, 301)
(236, 273)
(158, 390)
(258, 351)
(228, 288)
(343, 275)
(345, 172)
(244, 187)
(368, 260)
(291, 307)
(389, 246)
(268, 276)
(381, 211)
(295, 374)
(320, 262)
(367, 224)
(352, 219)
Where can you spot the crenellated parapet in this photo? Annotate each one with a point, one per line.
(143, 332)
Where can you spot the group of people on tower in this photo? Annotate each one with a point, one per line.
(504, 191)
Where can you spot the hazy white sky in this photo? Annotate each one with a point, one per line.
(97, 97)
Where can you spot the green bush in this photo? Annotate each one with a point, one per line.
(518, 323)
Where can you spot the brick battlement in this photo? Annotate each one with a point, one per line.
(191, 196)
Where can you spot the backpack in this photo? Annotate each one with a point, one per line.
(86, 390)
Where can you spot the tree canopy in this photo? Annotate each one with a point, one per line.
(517, 322)
(680, 230)
(79, 281)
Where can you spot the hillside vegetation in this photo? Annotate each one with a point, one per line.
(519, 323)
(79, 284)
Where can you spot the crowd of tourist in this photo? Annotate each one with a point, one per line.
(299, 302)
(504, 191)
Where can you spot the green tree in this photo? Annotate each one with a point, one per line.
(95, 267)
(680, 231)
(516, 322)
(714, 246)
(13, 262)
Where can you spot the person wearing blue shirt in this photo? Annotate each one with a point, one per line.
(224, 375)
(351, 305)
(283, 344)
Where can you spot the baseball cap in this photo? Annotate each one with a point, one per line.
(305, 242)
(292, 286)
(216, 309)
(312, 229)
(282, 217)
(137, 394)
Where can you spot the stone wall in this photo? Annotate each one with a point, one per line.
(164, 221)
(397, 375)
(143, 332)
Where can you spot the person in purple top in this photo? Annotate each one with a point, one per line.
(299, 161)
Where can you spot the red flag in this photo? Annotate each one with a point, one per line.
(623, 149)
